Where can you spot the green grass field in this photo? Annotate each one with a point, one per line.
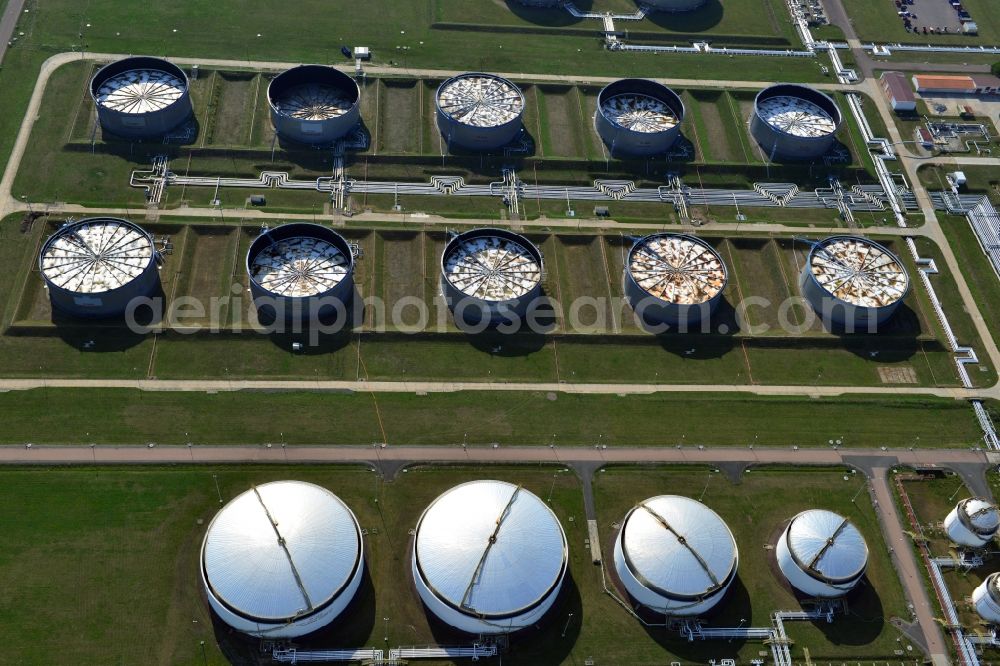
(126, 416)
(103, 562)
(877, 20)
(976, 267)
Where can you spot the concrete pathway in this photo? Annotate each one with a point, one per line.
(8, 23)
(219, 385)
(907, 567)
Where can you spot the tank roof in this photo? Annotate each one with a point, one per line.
(677, 269)
(300, 266)
(490, 549)
(678, 547)
(492, 267)
(96, 255)
(858, 271)
(137, 91)
(827, 546)
(480, 100)
(281, 551)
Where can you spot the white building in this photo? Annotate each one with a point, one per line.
(281, 560)
(675, 556)
(822, 554)
(972, 523)
(489, 557)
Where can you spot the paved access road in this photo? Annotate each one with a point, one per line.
(8, 22)
(203, 385)
(372, 455)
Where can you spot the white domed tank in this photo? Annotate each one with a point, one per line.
(972, 523)
(822, 554)
(986, 599)
(675, 556)
(489, 557)
(282, 560)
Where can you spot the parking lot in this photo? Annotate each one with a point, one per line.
(930, 16)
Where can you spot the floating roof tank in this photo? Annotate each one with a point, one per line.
(674, 279)
(638, 117)
(675, 556)
(795, 122)
(301, 271)
(98, 266)
(479, 111)
(853, 282)
(141, 97)
(972, 523)
(986, 598)
(491, 275)
(314, 104)
(822, 554)
(489, 557)
(282, 559)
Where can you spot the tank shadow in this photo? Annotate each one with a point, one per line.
(524, 145)
(732, 611)
(550, 641)
(551, 17)
(701, 19)
(865, 618)
(495, 343)
(109, 334)
(838, 156)
(185, 134)
(353, 628)
(722, 324)
(324, 335)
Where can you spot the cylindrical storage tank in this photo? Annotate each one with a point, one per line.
(489, 557)
(282, 560)
(675, 556)
(673, 5)
(822, 554)
(313, 104)
(141, 97)
(796, 122)
(479, 111)
(301, 271)
(986, 599)
(638, 117)
(96, 267)
(972, 523)
(490, 275)
(674, 279)
(853, 282)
